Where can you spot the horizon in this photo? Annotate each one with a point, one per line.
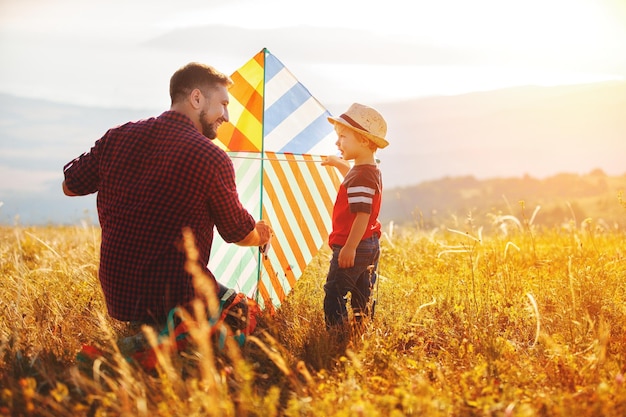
(82, 210)
(549, 133)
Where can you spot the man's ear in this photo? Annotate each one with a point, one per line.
(195, 97)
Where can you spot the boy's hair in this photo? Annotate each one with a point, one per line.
(196, 75)
(373, 147)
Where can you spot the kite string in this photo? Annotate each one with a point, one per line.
(276, 159)
(285, 160)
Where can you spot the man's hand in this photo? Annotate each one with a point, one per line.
(265, 232)
(259, 236)
(67, 191)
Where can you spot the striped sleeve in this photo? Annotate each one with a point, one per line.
(361, 198)
(362, 188)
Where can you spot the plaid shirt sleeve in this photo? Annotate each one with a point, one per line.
(81, 174)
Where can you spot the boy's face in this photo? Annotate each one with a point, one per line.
(351, 144)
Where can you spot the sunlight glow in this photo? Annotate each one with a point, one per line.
(538, 42)
(461, 46)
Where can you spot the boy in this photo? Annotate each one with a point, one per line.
(355, 234)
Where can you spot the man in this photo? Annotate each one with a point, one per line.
(153, 178)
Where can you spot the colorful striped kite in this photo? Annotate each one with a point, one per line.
(277, 136)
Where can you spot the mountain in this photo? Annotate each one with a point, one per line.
(539, 131)
(562, 199)
(532, 131)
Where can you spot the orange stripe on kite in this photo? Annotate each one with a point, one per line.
(277, 247)
(242, 90)
(267, 300)
(273, 277)
(312, 197)
(336, 181)
(254, 104)
(239, 142)
(293, 203)
(292, 242)
(260, 58)
(327, 200)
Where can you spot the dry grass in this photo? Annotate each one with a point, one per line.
(523, 323)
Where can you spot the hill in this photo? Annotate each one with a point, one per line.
(561, 199)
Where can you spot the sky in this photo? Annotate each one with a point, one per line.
(120, 53)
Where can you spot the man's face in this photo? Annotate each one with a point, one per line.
(214, 111)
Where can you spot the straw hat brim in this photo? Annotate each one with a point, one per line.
(380, 142)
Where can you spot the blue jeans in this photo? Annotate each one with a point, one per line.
(358, 280)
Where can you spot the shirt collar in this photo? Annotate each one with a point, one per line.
(176, 116)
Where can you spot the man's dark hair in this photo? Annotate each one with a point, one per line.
(195, 75)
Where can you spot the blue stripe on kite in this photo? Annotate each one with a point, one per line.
(309, 136)
(272, 66)
(284, 106)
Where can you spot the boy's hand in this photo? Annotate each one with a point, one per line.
(346, 257)
(335, 161)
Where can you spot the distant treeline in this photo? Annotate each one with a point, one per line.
(564, 199)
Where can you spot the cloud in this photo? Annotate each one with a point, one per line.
(108, 58)
(314, 45)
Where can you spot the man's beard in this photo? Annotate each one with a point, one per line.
(208, 129)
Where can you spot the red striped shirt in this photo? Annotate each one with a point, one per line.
(360, 191)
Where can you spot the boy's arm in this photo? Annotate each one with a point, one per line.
(348, 252)
(341, 164)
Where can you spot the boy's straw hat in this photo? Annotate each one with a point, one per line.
(366, 121)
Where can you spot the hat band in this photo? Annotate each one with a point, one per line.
(353, 123)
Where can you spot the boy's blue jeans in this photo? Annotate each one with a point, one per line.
(357, 280)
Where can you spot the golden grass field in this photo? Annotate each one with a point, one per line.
(522, 322)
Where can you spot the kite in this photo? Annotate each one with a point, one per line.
(277, 137)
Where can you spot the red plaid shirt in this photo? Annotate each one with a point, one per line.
(154, 177)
